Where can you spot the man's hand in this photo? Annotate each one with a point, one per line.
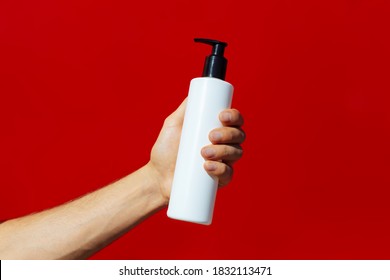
(83, 226)
(219, 156)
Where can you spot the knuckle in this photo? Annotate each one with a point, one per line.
(168, 121)
(243, 135)
(232, 135)
(226, 177)
(239, 152)
(236, 115)
(241, 118)
(171, 120)
(235, 112)
(228, 173)
(221, 169)
(231, 171)
(226, 151)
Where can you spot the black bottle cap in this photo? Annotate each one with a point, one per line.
(215, 64)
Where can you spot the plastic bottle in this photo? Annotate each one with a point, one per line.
(193, 189)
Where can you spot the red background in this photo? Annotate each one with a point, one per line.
(85, 87)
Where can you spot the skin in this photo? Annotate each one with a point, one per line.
(79, 228)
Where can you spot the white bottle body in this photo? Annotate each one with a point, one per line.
(193, 189)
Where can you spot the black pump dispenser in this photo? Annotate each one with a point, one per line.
(215, 64)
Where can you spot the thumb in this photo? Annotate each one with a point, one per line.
(177, 117)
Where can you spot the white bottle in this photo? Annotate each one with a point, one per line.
(194, 190)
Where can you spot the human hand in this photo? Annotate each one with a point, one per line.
(219, 156)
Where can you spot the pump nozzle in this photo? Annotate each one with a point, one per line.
(215, 64)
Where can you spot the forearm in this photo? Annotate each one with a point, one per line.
(81, 227)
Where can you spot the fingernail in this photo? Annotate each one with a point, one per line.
(226, 117)
(215, 136)
(210, 166)
(209, 152)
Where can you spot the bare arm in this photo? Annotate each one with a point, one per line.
(81, 227)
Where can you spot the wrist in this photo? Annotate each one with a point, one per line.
(157, 183)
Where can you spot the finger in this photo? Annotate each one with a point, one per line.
(231, 117)
(176, 118)
(229, 153)
(222, 171)
(227, 135)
